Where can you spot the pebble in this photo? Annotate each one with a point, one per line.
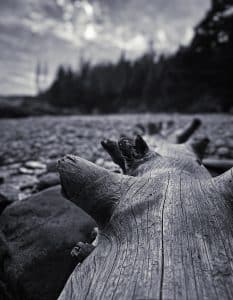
(9, 192)
(24, 170)
(6, 172)
(51, 165)
(220, 143)
(35, 165)
(22, 182)
(25, 194)
(230, 143)
(228, 134)
(223, 152)
(100, 162)
(53, 154)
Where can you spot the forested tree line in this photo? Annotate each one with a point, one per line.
(196, 78)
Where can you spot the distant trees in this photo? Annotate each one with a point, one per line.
(211, 51)
(196, 78)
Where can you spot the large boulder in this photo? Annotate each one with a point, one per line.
(5, 290)
(40, 232)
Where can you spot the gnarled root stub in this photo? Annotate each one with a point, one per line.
(92, 188)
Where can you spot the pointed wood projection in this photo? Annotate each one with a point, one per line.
(166, 226)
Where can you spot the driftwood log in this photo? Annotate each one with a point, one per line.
(166, 226)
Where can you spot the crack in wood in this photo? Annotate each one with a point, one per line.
(162, 242)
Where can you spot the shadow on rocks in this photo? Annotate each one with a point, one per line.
(38, 236)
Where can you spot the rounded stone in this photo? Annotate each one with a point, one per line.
(220, 143)
(223, 152)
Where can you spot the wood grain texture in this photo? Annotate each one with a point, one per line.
(170, 235)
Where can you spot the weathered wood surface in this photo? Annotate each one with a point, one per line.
(165, 234)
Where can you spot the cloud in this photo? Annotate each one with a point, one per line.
(90, 32)
(60, 31)
(86, 6)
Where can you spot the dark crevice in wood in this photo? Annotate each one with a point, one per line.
(162, 242)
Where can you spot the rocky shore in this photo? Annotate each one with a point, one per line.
(38, 227)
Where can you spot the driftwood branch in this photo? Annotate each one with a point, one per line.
(112, 148)
(135, 157)
(92, 188)
(198, 145)
(128, 153)
(182, 135)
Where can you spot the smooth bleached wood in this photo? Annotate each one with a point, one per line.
(94, 189)
(170, 236)
(224, 184)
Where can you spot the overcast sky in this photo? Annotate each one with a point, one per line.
(56, 32)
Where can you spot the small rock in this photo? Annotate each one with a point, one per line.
(10, 160)
(52, 139)
(9, 192)
(211, 149)
(37, 145)
(230, 143)
(6, 172)
(22, 182)
(48, 180)
(23, 170)
(220, 143)
(223, 152)
(53, 154)
(14, 166)
(100, 162)
(228, 134)
(25, 194)
(52, 165)
(35, 165)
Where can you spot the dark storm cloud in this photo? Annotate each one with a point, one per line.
(61, 31)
